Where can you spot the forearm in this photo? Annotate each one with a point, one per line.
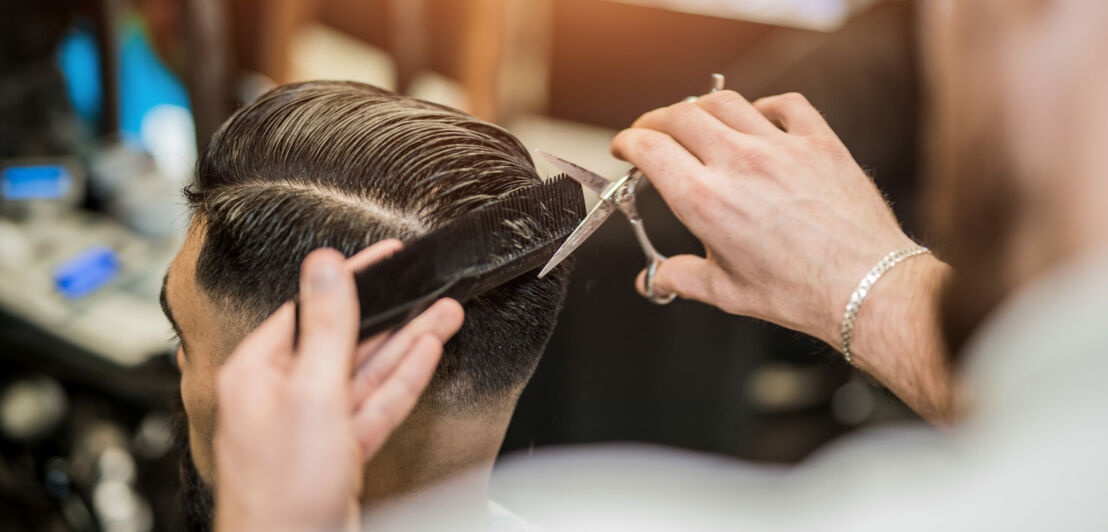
(898, 338)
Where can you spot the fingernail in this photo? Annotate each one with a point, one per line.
(323, 275)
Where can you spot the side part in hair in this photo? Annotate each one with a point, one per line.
(344, 165)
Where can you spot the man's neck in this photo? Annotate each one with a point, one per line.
(434, 446)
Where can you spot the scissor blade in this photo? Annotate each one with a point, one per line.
(580, 175)
(600, 212)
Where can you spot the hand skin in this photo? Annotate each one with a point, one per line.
(790, 224)
(298, 422)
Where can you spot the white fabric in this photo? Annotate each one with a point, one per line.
(502, 519)
(1031, 456)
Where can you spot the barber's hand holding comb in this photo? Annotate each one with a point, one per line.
(298, 422)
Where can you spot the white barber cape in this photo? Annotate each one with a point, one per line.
(1032, 455)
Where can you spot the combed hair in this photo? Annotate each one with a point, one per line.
(344, 165)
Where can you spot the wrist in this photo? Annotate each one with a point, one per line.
(865, 286)
(897, 336)
(242, 509)
(909, 292)
(238, 512)
(233, 521)
(848, 274)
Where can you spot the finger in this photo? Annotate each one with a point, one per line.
(671, 169)
(378, 251)
(649, 149)
(441, 321)
(257, 364)
(245, 390)
(687, 276)
(736, 112)
(368, 347)
(328, 320)
(269, 343)
(694, 128)
(792, 113)
(380, 413)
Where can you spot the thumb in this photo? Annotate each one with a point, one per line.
(328, 320)
(688, 276)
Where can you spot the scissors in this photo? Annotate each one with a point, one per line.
(618, 194)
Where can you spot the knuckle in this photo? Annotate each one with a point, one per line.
(622, 142)
(646, 142)
(633, 143)
(724, 98)
(751, 158)
(794, 99)
(649, 117)
(763, 102)
(735, 142)
(701, 191)
(683, 109)
(759, 163)
(826, 144)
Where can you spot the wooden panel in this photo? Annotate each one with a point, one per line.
(372, 21)
(612, 61)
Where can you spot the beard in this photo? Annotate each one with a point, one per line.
(195, 497)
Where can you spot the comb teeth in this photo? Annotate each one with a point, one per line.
(478, 251)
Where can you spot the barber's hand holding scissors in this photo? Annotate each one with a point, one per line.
(790, 224)
(298, 422)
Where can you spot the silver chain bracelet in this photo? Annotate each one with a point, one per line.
(860, 293)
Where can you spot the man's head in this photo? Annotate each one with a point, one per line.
(1017, 142)
(344, 165)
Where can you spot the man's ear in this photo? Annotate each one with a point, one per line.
(374, 253)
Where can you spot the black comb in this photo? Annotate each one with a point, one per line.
(470, 255)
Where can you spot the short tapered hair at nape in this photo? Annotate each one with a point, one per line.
(343, 165)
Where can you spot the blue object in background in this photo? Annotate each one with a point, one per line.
(86, 272)
(79, 60)
(47, 181)
(144, 81)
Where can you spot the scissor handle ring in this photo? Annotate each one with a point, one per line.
(648, 281)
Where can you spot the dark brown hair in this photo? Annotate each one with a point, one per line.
(344, 165)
